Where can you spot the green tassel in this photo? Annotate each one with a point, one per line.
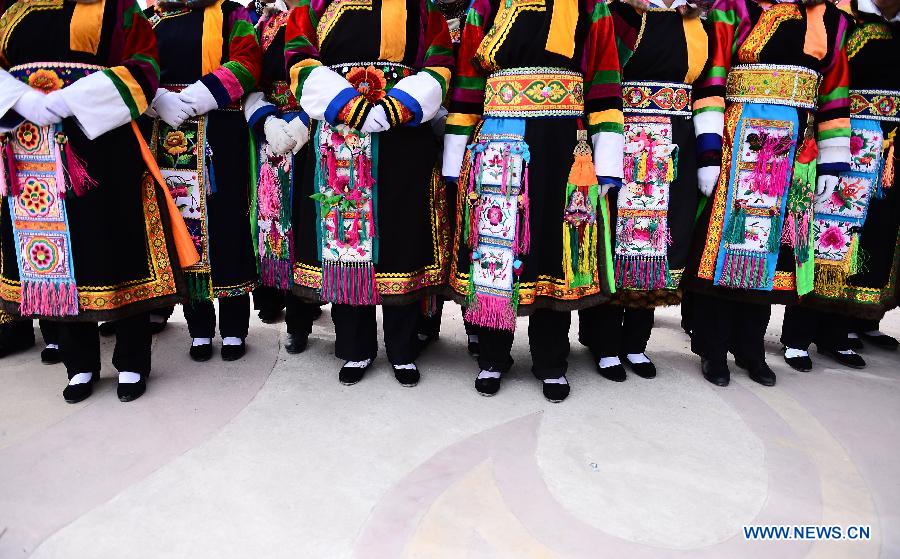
(736, 230)
(775, 235)
(199, 286)
(514, 300)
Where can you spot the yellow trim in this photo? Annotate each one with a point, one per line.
(85, 26)
(443, 72)
(503, 23)
(459, 119)
(136, 92)
(697, 47)
(213, 41)
(609, 115)
(561, 37)
(295, 71)
(393, 30)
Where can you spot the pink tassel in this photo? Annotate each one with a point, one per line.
(789, 232)
(4, 178)
(505, 158)
(628, 231)
(353, 234)
(492, 312)
(60, 171)
(525, 225)
(331, 166)
(629, 169)
(78, 176)
(662, 237)
(15, 188)
(337, 230)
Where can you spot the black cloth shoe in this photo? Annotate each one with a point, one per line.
(158, 327)
(108, 328)
(296, 343)
(16, 337)
(715, 372)
(855, 344)
(487, 386)
(406, 377)
(271, 316)
(555, 392)
(233, 352)
(852, 360)
(130, 391)
(758, 372)
(803, 364)
(74, 393)
(201, 353)
(643, 370)
(351, 375)
(51, 356)
(883, 341)
(616, 373)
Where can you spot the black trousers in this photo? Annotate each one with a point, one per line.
(804, 326)
(548, 340)
(859, 325)
(234, 317)
(723, 325)
(431, 325)
(356, 332)
(79, 343)
(49, 331)
(614, 330)
(298, 315)
(268, 299)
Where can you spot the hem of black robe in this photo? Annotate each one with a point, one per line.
(311, 295)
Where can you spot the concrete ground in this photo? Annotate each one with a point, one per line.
(271, 457)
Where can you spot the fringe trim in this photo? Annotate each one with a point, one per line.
(276, 273)
(642, 272)
(349, 284)
(744, 270)
(489, 311)
(199, 285)
(44, 298)
(830, 279)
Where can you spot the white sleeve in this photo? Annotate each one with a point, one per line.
(325, 93)
(454, 152)
(609, 154)
(421, 94)
(10, 91)
(96, 104)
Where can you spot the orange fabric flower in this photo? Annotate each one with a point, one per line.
(176, 142)
(45, 80)
(369, 82)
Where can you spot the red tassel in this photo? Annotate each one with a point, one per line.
(79, 178)
(11, 169)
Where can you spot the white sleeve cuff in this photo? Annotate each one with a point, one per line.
(322, 92)
(423, 92)
(96, 104)
(201, 98)
(10, 91)
(709, 122)
(609, 154)
(834, 150)
(454, 152)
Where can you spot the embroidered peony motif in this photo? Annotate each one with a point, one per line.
(833, 238)
(176, 143)
(857, 143)
(369, 82)
(42, 255)
(45, 80)
(35, 197)
(495, 215)
(29, 136)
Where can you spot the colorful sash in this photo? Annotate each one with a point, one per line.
(534, 93)
(580, 218)
(839, 218)
(40, 224)
(497, 221)
(759, 181)
(346, 179)
(184, 161)
(657, 98)
(275, 236)
(642, 232)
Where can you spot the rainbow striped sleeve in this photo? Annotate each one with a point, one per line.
(467, 89)
(627, 22)
(136, 73)
(239, 75)
(301, 45)
(438, 61)
(603, 91)
(833, 113)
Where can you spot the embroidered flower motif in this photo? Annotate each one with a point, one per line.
(495, 215)
(833, 238)
(857, 143)
(369, 82)
(28, 136)
(642, 234)
(42, 255)
(176, 142)
(45, 80)
(35, 197)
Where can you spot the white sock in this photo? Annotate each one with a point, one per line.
(853, 336)
(127, 377)
(201, 341)
(606, 362)
(875, 333)
(846, 352)
(794, 352)
(473, 338)
(52, 346)
(560, 380)
(410, 366)
(358, 364)
(489, 374)
(638, 358)
(422, 337)
(231, 340)
(80, 378)
(158, 319)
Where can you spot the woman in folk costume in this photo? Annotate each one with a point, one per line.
(855, 229)
(210, 59)
(662, 49)
(86, 230)
(370, 223)
(532, 235)
(773, 132)
(282, 130)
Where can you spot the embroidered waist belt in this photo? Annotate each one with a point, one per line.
(50, 76)
(177, 87)
(657, 98)
(794, 86)
(875, 104)
(373, 79)
(534, 93)
(282, 97)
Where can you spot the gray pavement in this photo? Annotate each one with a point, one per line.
(271, 457)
